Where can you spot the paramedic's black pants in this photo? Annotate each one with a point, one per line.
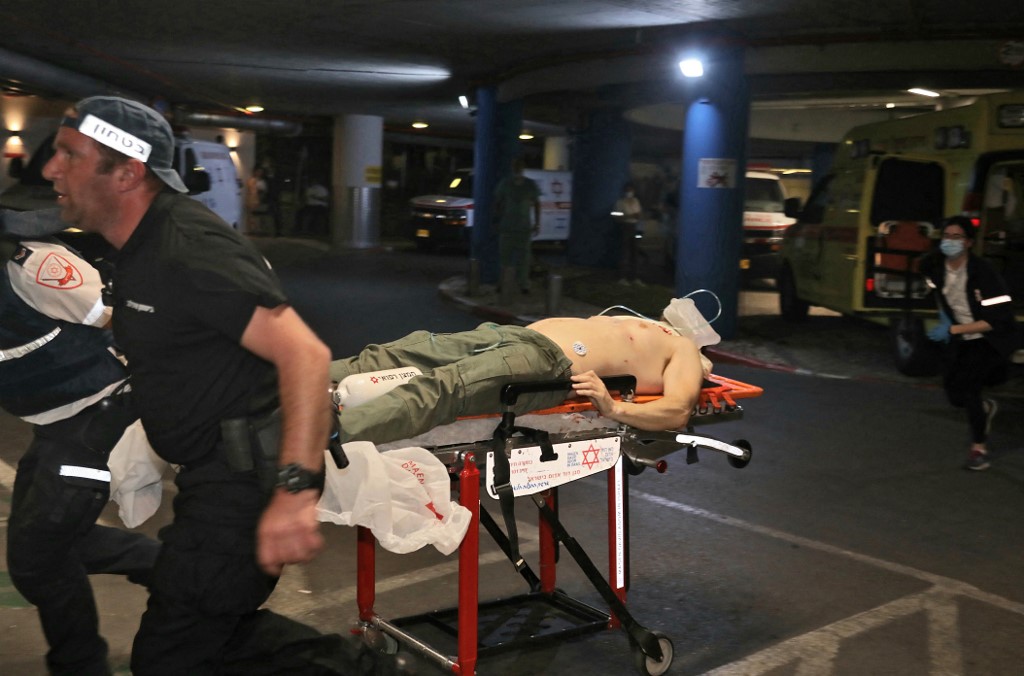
(53, 544)
(974, 364)
(203, 617)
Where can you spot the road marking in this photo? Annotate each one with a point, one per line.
(949, 584)
(814, 653)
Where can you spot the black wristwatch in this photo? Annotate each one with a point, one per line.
(294, 478)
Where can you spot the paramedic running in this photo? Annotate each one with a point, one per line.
(58, 373)
(463, 373)
(976, 322)
(216, 354)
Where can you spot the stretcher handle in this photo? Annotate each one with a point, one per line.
(510, 392)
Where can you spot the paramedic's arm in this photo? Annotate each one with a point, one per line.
(289, 531)
(683, 380)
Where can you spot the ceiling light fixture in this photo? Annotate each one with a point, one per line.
(890, 105)
(691, 67)
(464, 101)
(923, 92)
(419, 125)
(525, 135)
(255, 108)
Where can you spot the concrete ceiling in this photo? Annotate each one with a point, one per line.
(409, 59)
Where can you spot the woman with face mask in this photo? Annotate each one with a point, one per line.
(976, 321)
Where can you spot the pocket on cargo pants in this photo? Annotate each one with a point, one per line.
(485, 374)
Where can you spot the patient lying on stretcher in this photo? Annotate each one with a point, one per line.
(463, 373)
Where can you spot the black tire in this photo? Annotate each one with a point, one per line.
(915, 354)
(649, 667)
(791, 307)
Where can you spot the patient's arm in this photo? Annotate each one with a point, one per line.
(683, 379)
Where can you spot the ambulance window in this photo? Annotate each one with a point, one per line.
(814, 211)
(908, 191)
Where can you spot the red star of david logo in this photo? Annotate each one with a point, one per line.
(374, 379)
(57, 272)
(590, 457)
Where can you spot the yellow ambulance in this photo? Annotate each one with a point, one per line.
(855, 245)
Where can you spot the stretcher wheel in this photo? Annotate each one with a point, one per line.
(648, 666)
(740, 463)
(380, 641)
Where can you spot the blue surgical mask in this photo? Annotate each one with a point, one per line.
(951, 248)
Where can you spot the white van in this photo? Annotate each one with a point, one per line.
(764, 222)
(206, 168)
(448, 217)
(209, 173)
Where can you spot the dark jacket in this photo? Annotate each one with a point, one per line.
(57, 362)
(987, 295)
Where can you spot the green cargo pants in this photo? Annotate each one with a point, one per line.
(463, 374)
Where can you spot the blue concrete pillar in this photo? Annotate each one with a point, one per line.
(497, 144)
(484, 246)
(600, 169)
(711, 186)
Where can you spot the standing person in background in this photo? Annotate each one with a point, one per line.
(58, 372)
(230, 384)
(316, 209)
(272, 198)
(976, 321)
(255, 201)
(627, 213)
(515, 199)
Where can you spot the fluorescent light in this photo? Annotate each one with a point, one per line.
(890, 105)
(525, 135)
(691, 67)
(923, 92)
(254, 109)
(419, 125)
(464, 101)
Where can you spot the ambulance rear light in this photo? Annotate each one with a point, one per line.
(869, 284)
(1011, 116)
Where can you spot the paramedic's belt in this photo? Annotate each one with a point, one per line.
(252, 443)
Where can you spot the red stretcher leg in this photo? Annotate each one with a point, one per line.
(366, 555)
(469, 569)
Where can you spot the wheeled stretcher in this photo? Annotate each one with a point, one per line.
(517, 460)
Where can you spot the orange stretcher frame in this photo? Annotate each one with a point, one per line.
(652, 650)
(717, 394)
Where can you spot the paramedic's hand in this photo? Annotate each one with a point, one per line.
(940, 332)
(289, 531)
(589, 385)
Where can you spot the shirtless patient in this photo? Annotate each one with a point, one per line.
(463, 373)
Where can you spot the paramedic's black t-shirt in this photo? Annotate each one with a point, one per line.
(185, 286)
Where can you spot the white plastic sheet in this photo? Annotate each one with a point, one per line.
(403, 496)
(136, 473)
